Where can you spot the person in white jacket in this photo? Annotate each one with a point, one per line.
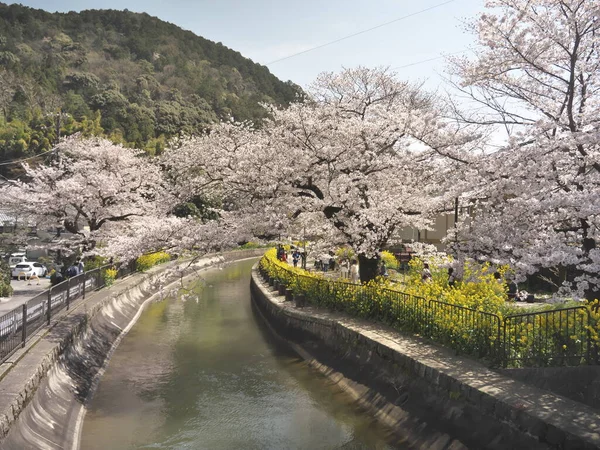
(354, 274)
(325, 262)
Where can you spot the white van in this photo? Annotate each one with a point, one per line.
(16, 258)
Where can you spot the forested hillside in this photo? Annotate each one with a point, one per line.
(129, 76)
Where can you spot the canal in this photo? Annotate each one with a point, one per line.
(202, 371)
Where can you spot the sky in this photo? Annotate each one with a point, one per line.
(268, 30)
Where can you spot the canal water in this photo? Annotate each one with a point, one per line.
(202, 371)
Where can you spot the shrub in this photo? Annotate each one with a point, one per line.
(6, 289)
(477, 289)
(345, 254)
(145, 262)
(389, 260)
(250, 245)
(5, 275)
(94, 262)
(109, 276)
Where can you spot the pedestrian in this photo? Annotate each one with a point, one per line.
(451, 277)
(80, 266)
(295, 257)
(331, 261)
(513, 290)
(303, 258)
(71, 271)
(58, 278)
(426, 274)
(382, 269)
(345, 268)
(354, 274)
(325, 262)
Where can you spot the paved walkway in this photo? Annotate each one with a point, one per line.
(23, 291)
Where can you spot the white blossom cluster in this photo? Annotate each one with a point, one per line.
(537, 200)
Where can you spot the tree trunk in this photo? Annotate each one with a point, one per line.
(368, 268)
(593, 291)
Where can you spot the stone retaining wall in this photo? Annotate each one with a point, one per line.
(581, 383)
(429, 396)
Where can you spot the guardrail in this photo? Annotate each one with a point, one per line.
(535, 339)
(18, 325)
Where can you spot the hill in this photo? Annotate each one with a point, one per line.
(129, 76)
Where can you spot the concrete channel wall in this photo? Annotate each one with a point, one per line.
(45, 386)
(427, 395)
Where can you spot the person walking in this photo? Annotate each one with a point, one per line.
(354, 274)
(451, 277)
(325, 262)
(513, 290)
(345, 268)
(295, 257)
(426, 274)
(382, 269)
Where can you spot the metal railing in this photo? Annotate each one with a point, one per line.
(535, 339)
(555, 337)
(39, 310)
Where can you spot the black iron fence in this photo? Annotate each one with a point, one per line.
(556, 337)
(22, 322)
(536, 339)
(38, 311)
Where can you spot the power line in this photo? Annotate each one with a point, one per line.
(359, 32)
(6, 163)
(430, 59)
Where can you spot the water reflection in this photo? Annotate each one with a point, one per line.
(204, 374)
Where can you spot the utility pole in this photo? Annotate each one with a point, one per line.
(455, 212)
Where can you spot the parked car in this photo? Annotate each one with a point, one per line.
(28, 269)
(16, 258)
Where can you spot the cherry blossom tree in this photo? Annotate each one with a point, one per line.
(363, 156)
(92, 189)
(536, 75)
(118, 202)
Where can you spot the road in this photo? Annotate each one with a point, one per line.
(23, 291)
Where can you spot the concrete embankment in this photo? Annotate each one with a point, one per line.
(45, 386)
(432, 398)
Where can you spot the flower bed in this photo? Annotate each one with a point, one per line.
(471, 318)
(150, 260)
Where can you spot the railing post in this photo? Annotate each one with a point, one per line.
(24, 324)
(68, 293)
(588, 353)
(49, 305)
(504, 344)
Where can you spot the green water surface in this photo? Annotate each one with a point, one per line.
(201, 371)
